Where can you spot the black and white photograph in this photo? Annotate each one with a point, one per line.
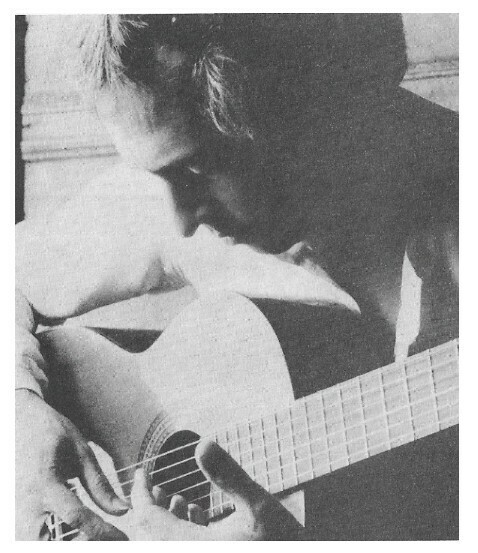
(236, 276)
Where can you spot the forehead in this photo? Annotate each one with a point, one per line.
(146, 133)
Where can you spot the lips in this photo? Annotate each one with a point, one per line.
(224, 224)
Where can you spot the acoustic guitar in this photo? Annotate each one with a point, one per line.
(218, 370)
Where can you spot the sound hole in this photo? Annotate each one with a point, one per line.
(177, 472)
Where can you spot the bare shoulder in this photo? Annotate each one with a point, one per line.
(434, 131)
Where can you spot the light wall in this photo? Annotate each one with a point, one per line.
(432, 51)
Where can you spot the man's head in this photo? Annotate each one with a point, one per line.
(197, 99)
(224, 69)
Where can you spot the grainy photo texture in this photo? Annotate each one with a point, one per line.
(237, 277)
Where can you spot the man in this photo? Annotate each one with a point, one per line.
(217, 119)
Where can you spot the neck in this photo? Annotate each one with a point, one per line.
(346, 423)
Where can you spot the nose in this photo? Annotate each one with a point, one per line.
(204, 210)
(202, 213)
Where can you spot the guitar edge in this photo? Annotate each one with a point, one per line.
(218, 363)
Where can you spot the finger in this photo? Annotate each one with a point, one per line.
(160, 497)
(179, 507)
(221, 469)
(196, 515)
(141, 497)
(96, 484)
(65, 504)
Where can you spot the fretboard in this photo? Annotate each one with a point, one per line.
(344, 424)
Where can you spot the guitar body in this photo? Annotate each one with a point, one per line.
(225, 370)
(218, 363)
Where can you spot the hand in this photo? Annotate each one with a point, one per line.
(112, 242)
(258, 515)
(49, 451)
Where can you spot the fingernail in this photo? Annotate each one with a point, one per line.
(213, 458)
(121, 504)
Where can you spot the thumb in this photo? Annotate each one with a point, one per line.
(141, 497)
(96, 484)
(223, 471)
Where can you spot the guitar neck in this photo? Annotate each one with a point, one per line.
(344, 424)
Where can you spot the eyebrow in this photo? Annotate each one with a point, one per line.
(189, 159)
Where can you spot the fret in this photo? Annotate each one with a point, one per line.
(443, 354)
(281, 479)
(329, 462)
(232, 444)
(287, 456)
(347, 462)
(334, 419)
(296, 474)
(245, 449)
(385, 419)
(307, 418)
(447, 402)
(399, 418)
(391, 374)
(268, 484)
(317, 434)
(397, 395)
(216, 496)
(409, 401)
(354, 420)
(443, 384)
(302, 451)
(316, 412)
(374, 413)
(299, 423)
(272, 453)
(445, 370)
(238, 450)
(370, 383)
(284, 431)
(423, 403)
(251, 453)
(366, 453)
(416, 367)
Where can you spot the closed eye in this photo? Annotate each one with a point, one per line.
(189, 187)
(196, 170)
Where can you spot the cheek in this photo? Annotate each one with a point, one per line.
(239, 196)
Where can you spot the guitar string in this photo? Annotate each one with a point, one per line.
(308, 472)
(285, 410)
(321, 424)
